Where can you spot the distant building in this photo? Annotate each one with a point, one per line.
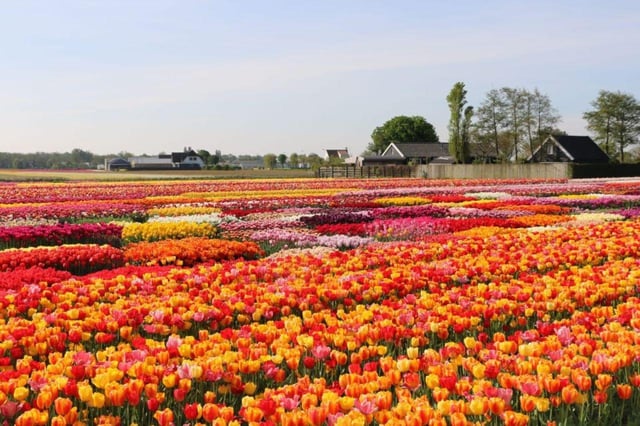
(568, 149)
(411, 153)
(187, 159)
(118, 164)
(341, 154)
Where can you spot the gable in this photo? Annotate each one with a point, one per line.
(393, 151)
(577, 149)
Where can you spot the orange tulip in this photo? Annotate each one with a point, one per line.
(412, 381)
(569, 394)
(253, 414)
(624, 391)
(635, 380)
(295, 418)
(308, 400)
(527, 403)
(583, 382)
(317, 415)
(62, 406)
(58, 421)
(44, 400)
(600, 396)
(164, 417)
(603, 381)
(210, 412)
(551, 385)
(440, 394)
(511, 418)
(425, 413)
(496, 405)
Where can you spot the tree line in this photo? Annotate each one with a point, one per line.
(82, 159)
(511, 123)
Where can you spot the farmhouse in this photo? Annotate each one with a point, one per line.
(568, 149)
(411, 153)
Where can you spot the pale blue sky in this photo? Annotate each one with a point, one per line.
(251, 77)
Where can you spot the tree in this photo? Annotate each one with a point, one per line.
(81, 158)
(508, 118)
(402, 129)
(514, 100)
(466, 132)
(294, 160)
(491, 120)
(215, 158)
(540, 119)
(456, 100)
(205, 155)
(614, 121)
(314, 161)
(269, 161)
(282, 159)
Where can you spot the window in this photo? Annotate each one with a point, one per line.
(551, 149)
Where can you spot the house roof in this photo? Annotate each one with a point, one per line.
(178, 157)
(416, 150)
(337, 153)
(581, 149)
(119, 162)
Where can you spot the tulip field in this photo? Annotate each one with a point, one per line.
(320, 302)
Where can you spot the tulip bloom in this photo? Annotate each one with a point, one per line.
(164, 417)
(624, 391)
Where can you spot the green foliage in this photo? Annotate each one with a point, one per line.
(402, 129)
(282, 159)
(459, 126)
(294, 160)
(270, 161)
(615, 122)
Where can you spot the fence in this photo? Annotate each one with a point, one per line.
(483, 171)
(352, 171)
(496, 171)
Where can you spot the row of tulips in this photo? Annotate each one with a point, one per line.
(82, 259)
(58, 234)
(114, 234)
(189, 251)
(75, 211)
(156, 231)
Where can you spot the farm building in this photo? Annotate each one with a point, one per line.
(187, 159)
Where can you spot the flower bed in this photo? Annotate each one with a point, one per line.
(431, 302)
(58, 234)
(188, 251)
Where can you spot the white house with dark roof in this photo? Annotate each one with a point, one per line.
(412, 153)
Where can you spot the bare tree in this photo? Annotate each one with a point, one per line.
(491, 119)
(540, 118)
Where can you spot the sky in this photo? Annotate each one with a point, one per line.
(282, 76)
